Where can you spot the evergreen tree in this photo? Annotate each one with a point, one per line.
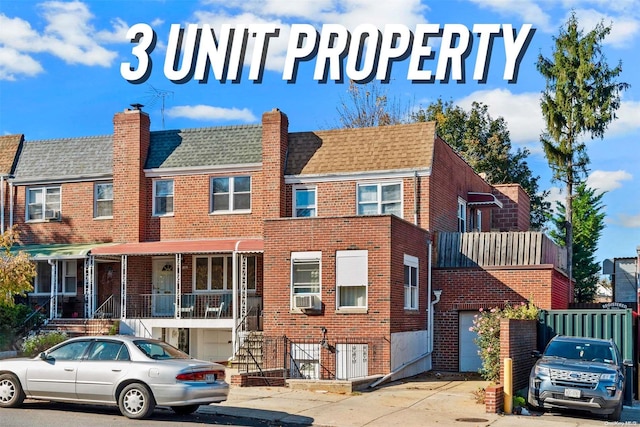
(588, 223)
(581, 97)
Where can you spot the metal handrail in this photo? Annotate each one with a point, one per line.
(28, 325)
(102, 311)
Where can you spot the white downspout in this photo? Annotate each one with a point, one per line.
(10, 204)
(53, 305)
(415, 197)
(2, 204)
(234, 298)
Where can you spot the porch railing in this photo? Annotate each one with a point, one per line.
(196, 306)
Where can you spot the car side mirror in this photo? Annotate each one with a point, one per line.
(627, 363)
(536, 354)
(43, 356)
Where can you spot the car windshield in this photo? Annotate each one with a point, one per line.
(160, 350)
(593, 352)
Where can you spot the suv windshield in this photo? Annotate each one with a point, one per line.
(160, 350)
(581, 351)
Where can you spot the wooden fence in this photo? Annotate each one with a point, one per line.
(498, 249)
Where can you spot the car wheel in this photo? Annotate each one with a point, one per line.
(136, 401)
(11, 393)
(615, 415)
(185, 410)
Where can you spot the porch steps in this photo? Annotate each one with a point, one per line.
(79, 327)
(250, 354)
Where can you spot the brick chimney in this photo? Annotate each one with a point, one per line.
(131, 139)
(515, 213)
(275, 143)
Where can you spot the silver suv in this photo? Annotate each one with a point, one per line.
(579, 373)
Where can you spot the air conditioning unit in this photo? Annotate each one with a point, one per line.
(51, 214)
(305, 302)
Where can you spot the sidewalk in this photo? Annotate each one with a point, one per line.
(418, 401)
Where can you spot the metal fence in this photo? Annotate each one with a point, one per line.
(335, 359)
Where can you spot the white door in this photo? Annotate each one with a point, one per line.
(470, 360)
(164, 287)
(352, 361)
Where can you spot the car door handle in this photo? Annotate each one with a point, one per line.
(116, 370)
(69, 369)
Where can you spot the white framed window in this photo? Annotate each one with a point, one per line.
(163, 197)
(305, 279)
(410, 282)
(304, 202)
(231, 194)
(43, 203)
(306, 361)
(67, 272)
(103, 200)
(462, 215)
(214, 273)
(381, 198)
(352, 278)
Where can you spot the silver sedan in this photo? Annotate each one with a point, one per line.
(136, 374)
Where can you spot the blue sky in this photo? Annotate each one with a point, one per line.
(60, 75)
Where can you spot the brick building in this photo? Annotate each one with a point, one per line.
(335, 239)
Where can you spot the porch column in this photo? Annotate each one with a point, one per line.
(234, 299)
(178, 296)
(89, 286)
(123, 286)
(53, 304)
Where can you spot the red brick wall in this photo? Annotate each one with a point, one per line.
(131, 139)
(275, 142)
(475, 288)
(376, 234)
(76, 225)
(518, 338)
(450, 177)
(515, 213)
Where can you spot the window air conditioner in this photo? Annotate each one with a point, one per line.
(304, 301)
(51, 214)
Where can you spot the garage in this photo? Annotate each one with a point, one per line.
(470, 360)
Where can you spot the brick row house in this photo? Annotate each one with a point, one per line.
(338, 240)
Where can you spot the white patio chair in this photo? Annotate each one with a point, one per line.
(217, 311)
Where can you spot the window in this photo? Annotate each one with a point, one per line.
(67, 275)
(462, 215)
(305, 279)
(410, 282)
(214, 273)
(103, 200)
(108, 350)
(163, 197)
(352, 278)
(304, 202)
(71, 351)
(376, 199)
(43, 203)
(231, 194)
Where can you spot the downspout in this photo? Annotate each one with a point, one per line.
(430, 309)
(234, 298)
(415, 197)
(53, 305)
(11, 204)
(2, 204)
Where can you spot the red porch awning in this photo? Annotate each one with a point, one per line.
(482, 199)
(182, 247)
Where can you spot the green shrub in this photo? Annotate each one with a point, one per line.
(115, 328)
(487, 326)
(33, 345)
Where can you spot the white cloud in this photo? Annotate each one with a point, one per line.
(627, 119)
(527, 10)
(555, 194)
(630, 221)
(66, 35)
(521, 112)
(206, 112)
(624, 28)
(607, 180)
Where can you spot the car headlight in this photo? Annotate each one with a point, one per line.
(542, 370)
(608, 377)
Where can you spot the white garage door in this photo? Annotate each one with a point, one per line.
(215, 345)
(469, 358)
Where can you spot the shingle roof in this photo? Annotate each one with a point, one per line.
(384, 148)
(64, 159)
(9, 145)
(225, 145)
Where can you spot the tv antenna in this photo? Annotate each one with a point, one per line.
(158, 94)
